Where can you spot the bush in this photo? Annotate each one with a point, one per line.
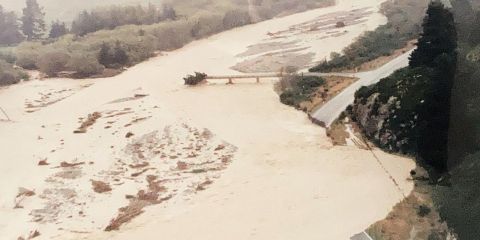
(236, 18)
(363, 93)
(112, 58)
(336, 62)
(85, 66)
(8, 57)
(9, 75)
(27, 54)
(297, 89)
(27, 61)
(194, 80)
(423, 211)
(52, 62)
(308, 84)
(206, 24)
(288, 98)
(7, 78)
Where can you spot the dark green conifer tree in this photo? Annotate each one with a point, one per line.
(436, 50)
(33, 24)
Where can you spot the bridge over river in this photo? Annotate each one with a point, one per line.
(329, 112)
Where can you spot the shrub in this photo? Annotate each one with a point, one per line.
(8, 57)
(423, 211)
(22, 75)
(85, 66)
(206, 24)
(27, 54)
(52, 63)
(112, 58)
(194, 80)
(336, 62)
(297, 89)
(27, 61)
(308, 84)
(363, 93)
(9, 75)
(119, 55)
(236, 18)
(288, 98)
(7, 78)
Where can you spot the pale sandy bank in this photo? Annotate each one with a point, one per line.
(284, 180)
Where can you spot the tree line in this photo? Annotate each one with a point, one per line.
(100, 44)
(31, 25)
(115, 16)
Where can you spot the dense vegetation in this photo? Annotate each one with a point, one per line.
(388, 110)
(466, 97)
(296, 89)
(10, 33)
(115, 16)
(410, 110)
(391, 110)
(459, 202)
(10, 75)
(33, 23)
(404, 19)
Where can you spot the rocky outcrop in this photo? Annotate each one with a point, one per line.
(383, 120)
(372, 115)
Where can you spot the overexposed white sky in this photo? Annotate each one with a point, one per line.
(66, 10)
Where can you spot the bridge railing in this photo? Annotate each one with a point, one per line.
(257, 77)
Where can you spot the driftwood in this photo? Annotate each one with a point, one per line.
(4, 113)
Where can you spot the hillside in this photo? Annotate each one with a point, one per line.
(459, 203)
(390, 114)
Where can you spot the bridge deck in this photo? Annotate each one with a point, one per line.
(244, 76)
(257, 77)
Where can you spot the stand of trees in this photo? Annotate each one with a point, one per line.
(465, 130)
(33, 23)
(30, 26)
(409, 111)
(10, 26)
(115, 16)
(436, 50)
(57, 29)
